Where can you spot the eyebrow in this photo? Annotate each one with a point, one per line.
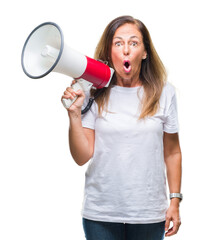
(122, 38)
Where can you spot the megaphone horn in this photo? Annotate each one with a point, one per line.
(44, 51)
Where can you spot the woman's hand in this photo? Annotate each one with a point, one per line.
(172, 215)
(69, 93)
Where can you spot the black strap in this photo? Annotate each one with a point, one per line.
(91, 100)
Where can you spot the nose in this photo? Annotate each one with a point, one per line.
(126, 49)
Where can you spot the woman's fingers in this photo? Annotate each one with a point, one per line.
(78, 97)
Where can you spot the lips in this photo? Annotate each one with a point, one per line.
(126, 66)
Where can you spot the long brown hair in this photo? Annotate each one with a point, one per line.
(152, 73)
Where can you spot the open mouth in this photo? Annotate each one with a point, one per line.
(127, 66)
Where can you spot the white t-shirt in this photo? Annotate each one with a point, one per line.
(125, 179)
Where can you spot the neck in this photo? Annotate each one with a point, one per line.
(128, 82)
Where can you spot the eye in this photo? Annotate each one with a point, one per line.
(118, 44)
(134, 44)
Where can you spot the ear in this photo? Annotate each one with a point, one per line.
(144, 55)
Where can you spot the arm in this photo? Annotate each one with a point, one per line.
(172, 157)
(81, 140)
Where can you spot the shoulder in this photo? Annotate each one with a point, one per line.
(168, 95)
(169, 89)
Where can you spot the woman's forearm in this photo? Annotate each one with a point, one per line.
(174, 172)
(79, 145)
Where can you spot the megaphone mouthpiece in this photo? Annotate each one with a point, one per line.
(49, 51)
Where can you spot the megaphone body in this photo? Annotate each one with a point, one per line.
(45, 51)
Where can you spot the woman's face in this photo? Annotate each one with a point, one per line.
(127, 53)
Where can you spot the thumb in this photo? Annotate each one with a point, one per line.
(80, 92)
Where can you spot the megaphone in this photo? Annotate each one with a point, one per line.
(44, 51)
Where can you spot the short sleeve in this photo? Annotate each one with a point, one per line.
(89, 118)
(171, 124)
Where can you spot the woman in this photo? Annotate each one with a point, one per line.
(131, 135)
